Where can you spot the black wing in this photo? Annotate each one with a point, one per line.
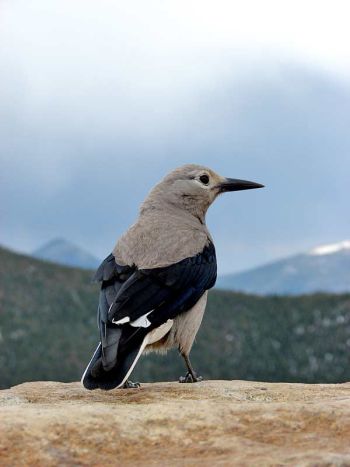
(167, 291)
(129, 293)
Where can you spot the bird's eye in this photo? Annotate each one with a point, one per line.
(204, 179)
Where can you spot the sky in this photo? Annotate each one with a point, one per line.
(99, 100)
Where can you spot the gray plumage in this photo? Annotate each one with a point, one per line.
(171, 224)
(183, 331)
(171, 227)
(154, 285)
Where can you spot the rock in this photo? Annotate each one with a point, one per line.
(170, 424)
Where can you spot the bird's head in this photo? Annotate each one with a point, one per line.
(192, 188)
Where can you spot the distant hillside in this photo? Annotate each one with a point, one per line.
(64, 252)
(48, 331)
(323, 269)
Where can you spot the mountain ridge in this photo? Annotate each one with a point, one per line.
(48, 331)
(325, 268)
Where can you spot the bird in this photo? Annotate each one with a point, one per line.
(154, 284)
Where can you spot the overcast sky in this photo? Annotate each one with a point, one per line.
(100, 99)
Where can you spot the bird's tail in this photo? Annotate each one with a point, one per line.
(130, 347)
(110, 366)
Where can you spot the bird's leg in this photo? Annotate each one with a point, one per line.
(191, 376)
(130, 385)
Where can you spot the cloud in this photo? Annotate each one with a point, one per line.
(99, 103)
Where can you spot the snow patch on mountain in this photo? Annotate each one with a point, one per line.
(325, 268)
(330, 248)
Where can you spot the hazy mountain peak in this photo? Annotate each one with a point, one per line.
(325, 268)
(62, 251)
(330, 248)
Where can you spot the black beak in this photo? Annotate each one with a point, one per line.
(234, 184)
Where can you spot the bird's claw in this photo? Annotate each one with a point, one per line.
(189, 378)
(131, 385)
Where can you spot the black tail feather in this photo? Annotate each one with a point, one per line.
(95, 377)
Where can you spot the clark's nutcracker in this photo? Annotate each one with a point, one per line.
(154, 285)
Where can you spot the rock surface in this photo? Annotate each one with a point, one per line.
(171, 424)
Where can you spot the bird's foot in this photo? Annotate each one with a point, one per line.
(190, 378)
(131, 385)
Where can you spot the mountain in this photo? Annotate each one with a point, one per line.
(48, 331)
(64, 252)
(325, 268)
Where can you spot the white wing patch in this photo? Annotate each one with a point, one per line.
(124, 320)
(142, 322)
